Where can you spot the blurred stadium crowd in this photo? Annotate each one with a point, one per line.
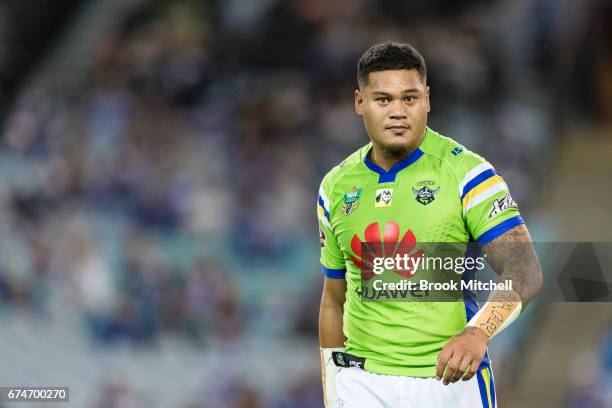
(165, 193)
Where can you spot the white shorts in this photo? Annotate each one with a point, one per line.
(356, 388)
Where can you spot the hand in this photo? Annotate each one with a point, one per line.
(463, 351)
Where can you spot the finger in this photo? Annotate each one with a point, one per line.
(463, 366)
(474, 364)
(451, 367)
(443, 358)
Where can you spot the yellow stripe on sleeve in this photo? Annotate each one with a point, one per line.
(491, 181)
(322, 217)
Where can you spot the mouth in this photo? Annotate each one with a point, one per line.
(397, 129)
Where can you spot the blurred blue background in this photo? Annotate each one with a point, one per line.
(159, 163)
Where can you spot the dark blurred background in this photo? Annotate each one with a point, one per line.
(159, 163)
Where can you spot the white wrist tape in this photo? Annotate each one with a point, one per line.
(500, 310)
(329, 371)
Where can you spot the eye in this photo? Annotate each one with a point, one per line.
(409, 98)
(382, 99)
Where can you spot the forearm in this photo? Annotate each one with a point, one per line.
(331, 336)
(330, 326)
(513, 258)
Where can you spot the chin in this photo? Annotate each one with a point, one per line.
(396, 149)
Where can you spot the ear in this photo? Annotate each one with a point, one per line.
(427, 98)
(358, 102)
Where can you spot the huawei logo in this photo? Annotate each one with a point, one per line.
(385, 243)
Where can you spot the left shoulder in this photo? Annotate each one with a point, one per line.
(457, 158)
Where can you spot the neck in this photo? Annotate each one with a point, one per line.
(385, 159)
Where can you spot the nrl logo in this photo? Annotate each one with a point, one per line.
(351, 201)
(425, 195)
(340, 359)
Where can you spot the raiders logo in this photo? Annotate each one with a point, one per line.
(425, 195)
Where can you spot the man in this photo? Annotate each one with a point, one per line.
(411, 182)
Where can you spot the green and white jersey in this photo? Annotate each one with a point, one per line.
(441, 192)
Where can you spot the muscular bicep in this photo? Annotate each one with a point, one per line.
(513, 257)
(331, 314)
(512, 243)
(334, 292)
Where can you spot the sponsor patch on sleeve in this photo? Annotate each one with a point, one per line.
(502, 204)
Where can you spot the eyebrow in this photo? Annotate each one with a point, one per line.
(387, 94)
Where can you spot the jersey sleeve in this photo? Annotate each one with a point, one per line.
(332, 260)
(488, 207)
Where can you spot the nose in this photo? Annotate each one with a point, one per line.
(397, 110)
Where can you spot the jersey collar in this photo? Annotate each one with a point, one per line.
(389, 176)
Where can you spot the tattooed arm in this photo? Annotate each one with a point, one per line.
(513, 258)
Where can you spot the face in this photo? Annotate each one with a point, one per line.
(394, 105)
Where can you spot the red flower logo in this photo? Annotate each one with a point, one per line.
(384, 245)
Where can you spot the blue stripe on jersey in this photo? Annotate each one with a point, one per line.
(469, 297)
(477, 180)
(389, 176)
(499, 229)
(333, 273)
(482, 387)
(322, 204)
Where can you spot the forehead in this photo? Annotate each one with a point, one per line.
(394, 80)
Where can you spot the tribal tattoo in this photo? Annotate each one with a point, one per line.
(512, 256)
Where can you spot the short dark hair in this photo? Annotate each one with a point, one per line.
(390, 56)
